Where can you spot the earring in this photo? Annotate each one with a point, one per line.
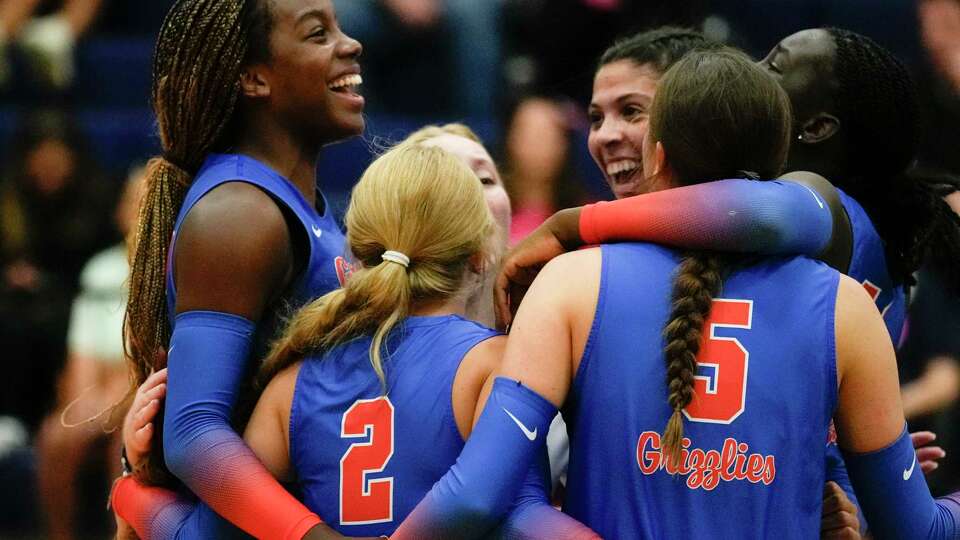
(800, 137)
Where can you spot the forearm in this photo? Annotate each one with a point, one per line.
(156, 513)
(769, 217)
(895, 498)
(532, 516)
(481, 486)
(937, 388)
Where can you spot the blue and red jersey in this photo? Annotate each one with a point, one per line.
(868, 265)
(326, 267)
(364, 458)
(765, 391)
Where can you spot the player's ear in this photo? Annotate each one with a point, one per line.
(819, 128)
(660, 164)
(254, 82)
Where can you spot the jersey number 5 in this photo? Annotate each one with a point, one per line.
(365, 501)
(720, 385)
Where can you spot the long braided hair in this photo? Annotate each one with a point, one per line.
(877, 105)
(201, 51)
(717, 115)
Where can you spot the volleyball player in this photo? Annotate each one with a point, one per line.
(854, 111)
(753, 378)
(389, 357)
(246, 92)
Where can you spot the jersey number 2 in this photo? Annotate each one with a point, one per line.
(720, 387)
(365, 501)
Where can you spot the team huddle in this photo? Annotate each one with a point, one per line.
(721, 349)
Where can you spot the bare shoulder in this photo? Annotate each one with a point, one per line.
(233, 252)
(567, 272)
(861, 335)
(485, 357)
(279, 390)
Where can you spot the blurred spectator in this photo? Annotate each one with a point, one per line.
(48, 40)
(435, 58)
(555, 47)
(940, 84)
(930, 368)
(54, 214)
(94, 378)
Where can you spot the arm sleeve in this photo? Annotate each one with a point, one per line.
(895, 497)
(207, 364)
(534, 518)
(478, 490)
(768, 217)
(160, 513)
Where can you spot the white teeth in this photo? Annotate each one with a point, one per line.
(348, 80)
(622, 166)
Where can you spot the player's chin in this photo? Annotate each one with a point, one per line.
(344, 126)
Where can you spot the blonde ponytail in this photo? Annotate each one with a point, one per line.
(420, 201)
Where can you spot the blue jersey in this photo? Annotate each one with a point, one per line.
(364, 460)
(325, 268)
(766, 388)
(869, 266)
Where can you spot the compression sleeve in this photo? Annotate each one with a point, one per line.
(895, 497)
(534, 518)
(153, 512)
(479, 488)
(160, 513)
(207, 363)
(768, 217)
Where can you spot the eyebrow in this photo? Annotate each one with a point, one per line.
(633, 95)
(313, 12)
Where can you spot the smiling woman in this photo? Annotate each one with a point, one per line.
(234, 201)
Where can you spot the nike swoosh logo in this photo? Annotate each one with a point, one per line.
(317, 231)
(532, 435)
(907, 473)
(814, 193)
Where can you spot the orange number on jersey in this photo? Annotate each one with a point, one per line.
(721, 398)
(362, 500)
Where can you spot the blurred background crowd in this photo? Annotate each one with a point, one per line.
(75, 129)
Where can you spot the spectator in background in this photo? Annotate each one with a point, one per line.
(555, 47)
(48, 40)
(940, 88)
(93, 379)
(54, 214)
(929, 362)
(435, 58)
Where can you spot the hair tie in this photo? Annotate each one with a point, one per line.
(396, 257)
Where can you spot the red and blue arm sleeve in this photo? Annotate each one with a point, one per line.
(533, 517)
(767, 217)
(160, 513)
(481, 487)
(207, 364)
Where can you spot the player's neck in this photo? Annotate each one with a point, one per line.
(279, 151)
(451, 306)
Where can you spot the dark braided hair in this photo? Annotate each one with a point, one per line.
(877, 106)
(661, 47)
(201, 51)
(716, 114)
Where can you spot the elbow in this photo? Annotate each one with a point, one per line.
(175, 456)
